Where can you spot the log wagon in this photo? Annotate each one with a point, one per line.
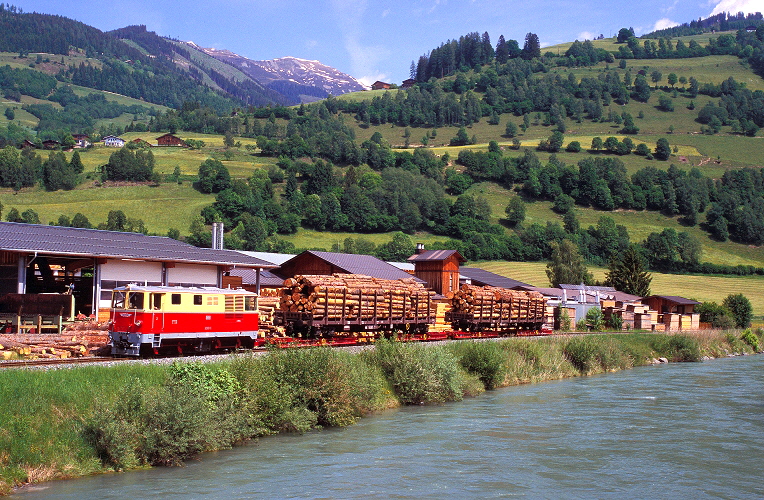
(315, 306)
(487, 308)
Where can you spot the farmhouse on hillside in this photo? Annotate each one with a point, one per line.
(171, 140)
(112, 141)
(380, 85)
(81, 140)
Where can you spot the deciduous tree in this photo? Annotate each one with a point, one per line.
(567, 265)
(741, 309)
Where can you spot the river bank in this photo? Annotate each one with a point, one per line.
(70, 423)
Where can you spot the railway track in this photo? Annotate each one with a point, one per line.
(27, 363)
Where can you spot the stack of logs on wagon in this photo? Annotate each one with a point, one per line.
(492, 308)
(347, 299)
(358, 302)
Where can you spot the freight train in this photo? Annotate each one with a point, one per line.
(341, 309)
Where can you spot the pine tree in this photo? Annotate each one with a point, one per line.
(628, 273)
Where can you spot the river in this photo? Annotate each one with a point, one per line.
(667, 431)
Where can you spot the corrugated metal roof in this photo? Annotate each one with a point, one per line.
(361, 264)
(676, 299)
(276, 258)
(588, 288)
(403, 266)
(435, 255)
(55, 240)
(483, 277)
(249, 277)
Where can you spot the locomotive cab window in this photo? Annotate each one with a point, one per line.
(198, 300)
(175, 299)
(135, 300)
(118, 299)
(250, 304)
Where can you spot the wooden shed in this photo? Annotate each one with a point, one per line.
(438, 268)
(670, 304)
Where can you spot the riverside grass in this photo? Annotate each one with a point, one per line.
(70, 423)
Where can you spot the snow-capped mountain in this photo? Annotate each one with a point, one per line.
(300, 79)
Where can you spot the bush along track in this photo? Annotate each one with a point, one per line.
(70, 423)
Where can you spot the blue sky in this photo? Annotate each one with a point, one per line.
(378, 40)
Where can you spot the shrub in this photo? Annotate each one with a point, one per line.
(164, 426)
(595, 320)
(564, 320)
(736, 344)
(718, 315)
(484, 359)
(419, 373)
(614, 323)
(589, 355)
(677, 347)
(318, 380)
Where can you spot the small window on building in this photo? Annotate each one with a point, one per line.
(175, 299)
(198, 300)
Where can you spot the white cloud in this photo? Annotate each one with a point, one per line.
(670, 8)
(366, 81)
(586, 35)
(735, 6)
(664, 23)
(364, 59)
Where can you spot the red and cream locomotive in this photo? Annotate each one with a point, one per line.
(148, 320)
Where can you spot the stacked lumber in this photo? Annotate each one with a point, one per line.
(69, 344)
(266, 306)
(441, 325)
(488, 303)
(350, 297)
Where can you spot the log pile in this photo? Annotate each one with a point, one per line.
(348, 297)
(488, 303)
(55, 346)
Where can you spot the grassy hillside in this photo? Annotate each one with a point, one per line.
(611, 44)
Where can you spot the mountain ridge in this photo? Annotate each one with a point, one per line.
(310, 78)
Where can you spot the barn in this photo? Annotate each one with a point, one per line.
(89, 263)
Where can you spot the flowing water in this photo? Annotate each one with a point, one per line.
(667, 431)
